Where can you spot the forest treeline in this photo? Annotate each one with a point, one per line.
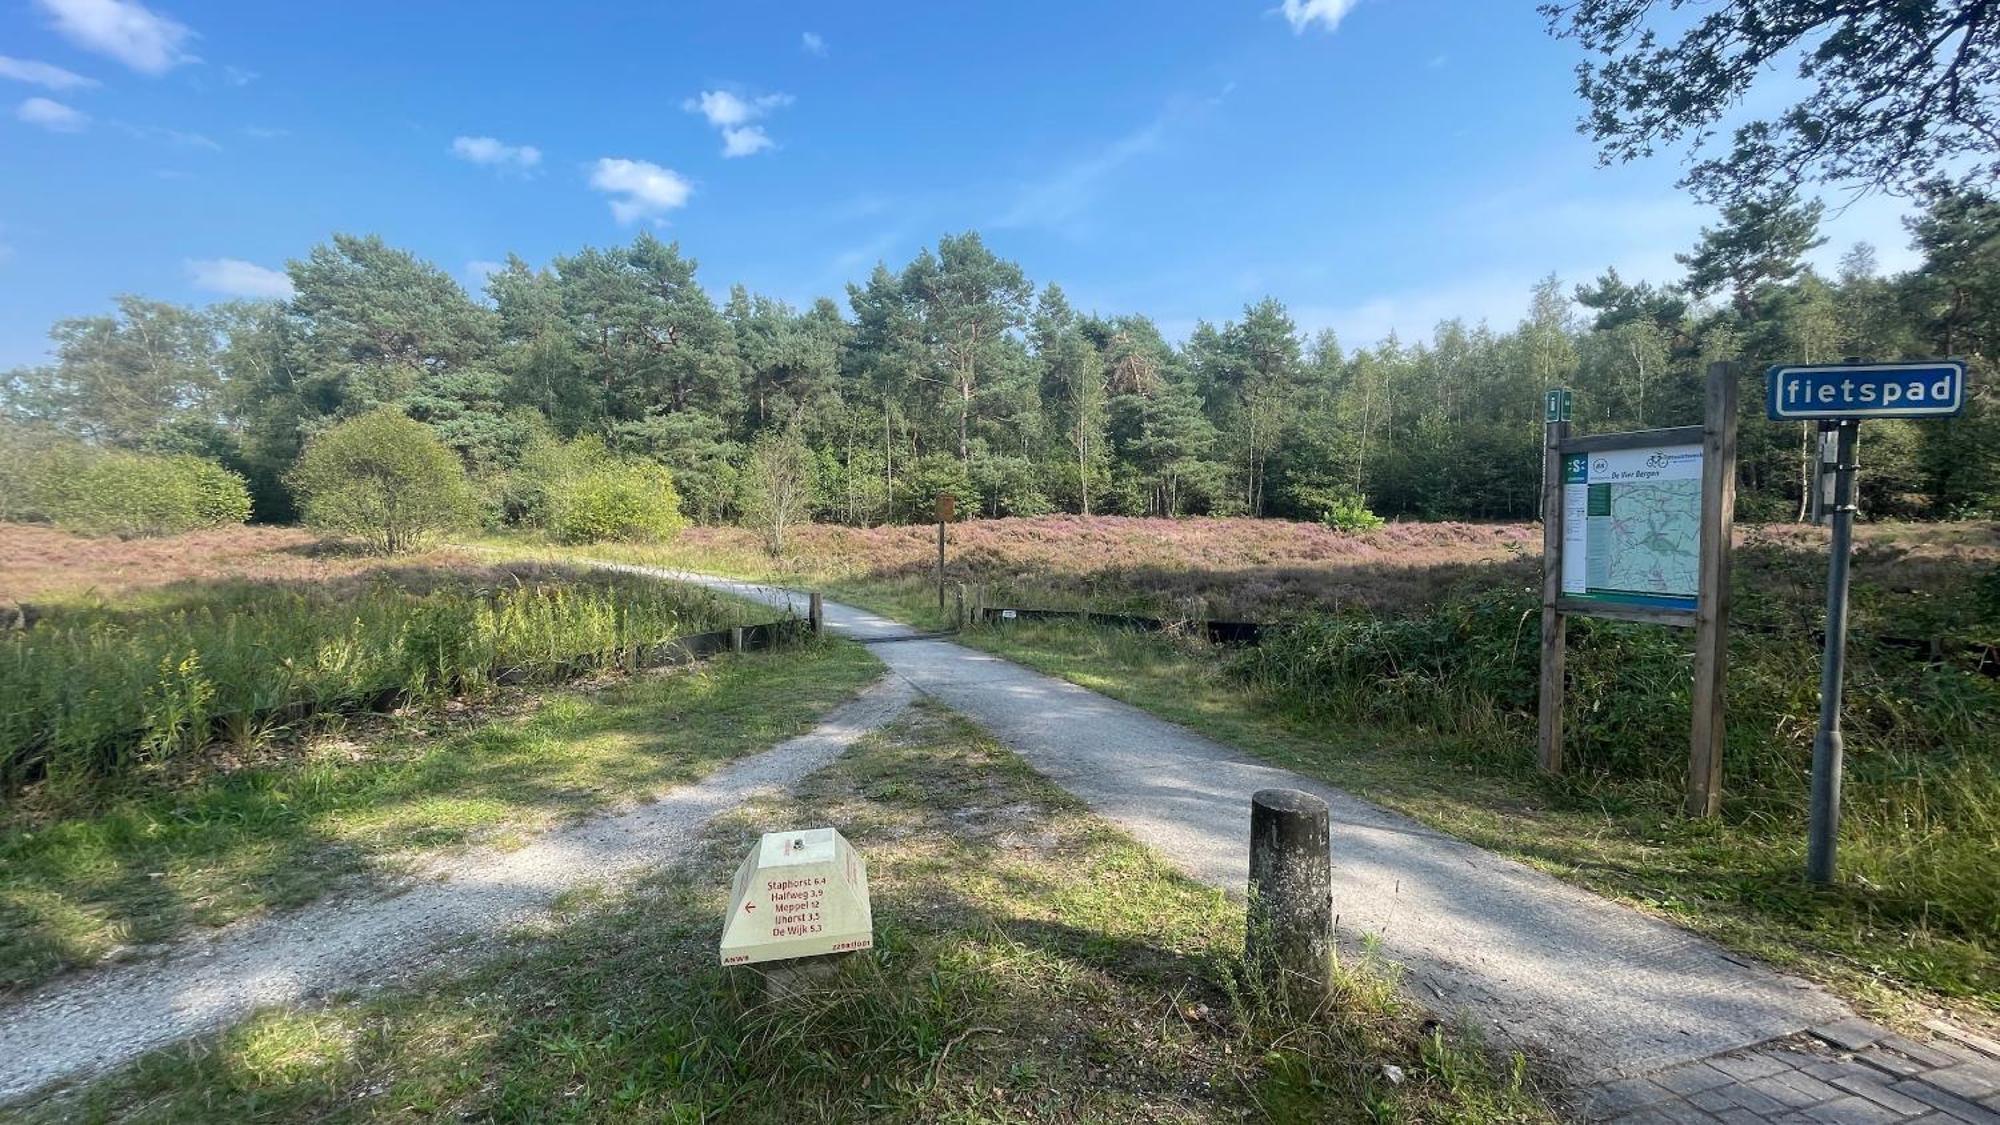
(956, 373)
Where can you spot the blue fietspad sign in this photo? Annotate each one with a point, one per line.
(1927, 389)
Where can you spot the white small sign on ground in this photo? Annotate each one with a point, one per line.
(798, 894)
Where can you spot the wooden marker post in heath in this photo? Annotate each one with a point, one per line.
(945, 504)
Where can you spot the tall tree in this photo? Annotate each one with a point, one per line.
(647, 332)
(967, 300)
(1073, 385)
(381, 320)
(120, 379)
(1762, 239)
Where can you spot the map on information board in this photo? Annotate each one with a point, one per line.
(1632, 526)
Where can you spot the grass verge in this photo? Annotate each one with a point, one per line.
(278, 830)
(1033, 963)
(1735, 879)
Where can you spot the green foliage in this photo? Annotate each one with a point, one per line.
(92, 695)
(1884, 89)
(114, 492)
(384, 478)
(546, 468)
(1342, 511)
(932, 476)
(627, 501)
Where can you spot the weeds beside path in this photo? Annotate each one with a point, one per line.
(279, 832)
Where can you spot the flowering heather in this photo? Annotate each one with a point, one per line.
(1914, 579)
(41, 564)
(1242, 568)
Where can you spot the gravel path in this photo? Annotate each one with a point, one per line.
(1601, 988)
(91, 1021)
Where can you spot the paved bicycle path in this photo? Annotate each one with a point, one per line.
(1605, 990)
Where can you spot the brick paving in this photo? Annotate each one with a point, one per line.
(1845, 1073)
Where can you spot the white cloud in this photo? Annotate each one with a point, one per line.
(732, 114)
(498, 154)
(43, 74)
(812, 44)
(265, 133)
(640, 190)
(1498, 299)
(478, 270)
(1064, 195)
(53, 116)
(1302, 14)
(239, 76)
(126, 30)
(724, 109)
(747, 141)
(237, 278)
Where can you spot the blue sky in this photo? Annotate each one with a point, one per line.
(1378, 164)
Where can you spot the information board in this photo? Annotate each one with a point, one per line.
(1632, 527)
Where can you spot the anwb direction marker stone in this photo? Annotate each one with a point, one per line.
(798, 894)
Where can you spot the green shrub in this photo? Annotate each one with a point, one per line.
(385, 478)
(114, 492)
(546, 468)
(220, 496)
(628, 501)
(1338, 509)
(580, 492)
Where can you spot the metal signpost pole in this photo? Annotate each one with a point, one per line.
(1827, 743)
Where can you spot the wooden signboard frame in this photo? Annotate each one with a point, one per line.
(1710, 616)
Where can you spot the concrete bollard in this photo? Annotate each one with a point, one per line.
(1289, 943)
(736, 638)
(816, 612)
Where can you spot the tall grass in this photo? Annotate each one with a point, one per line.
(1922, 799)
(94, 694)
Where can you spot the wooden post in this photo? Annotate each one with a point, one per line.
(816, 612)
(1711, 624)
(959, 616)
(1288, 943)
(945, 504)
(1555, 630)
(736, 638)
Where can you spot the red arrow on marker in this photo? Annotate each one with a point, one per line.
(749, 906)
